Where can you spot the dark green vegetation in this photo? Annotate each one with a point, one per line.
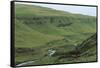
(39, 29)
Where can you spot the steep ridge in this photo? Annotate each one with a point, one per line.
(82, 52)
(88, 44)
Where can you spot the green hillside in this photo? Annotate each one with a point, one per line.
(84, 52)
(38, 29)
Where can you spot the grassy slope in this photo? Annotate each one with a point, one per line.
(41, 33)
(87, 53)
(27, 36)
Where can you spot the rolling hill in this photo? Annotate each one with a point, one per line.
(38, 29)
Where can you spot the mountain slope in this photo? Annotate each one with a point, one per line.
(37, 29)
